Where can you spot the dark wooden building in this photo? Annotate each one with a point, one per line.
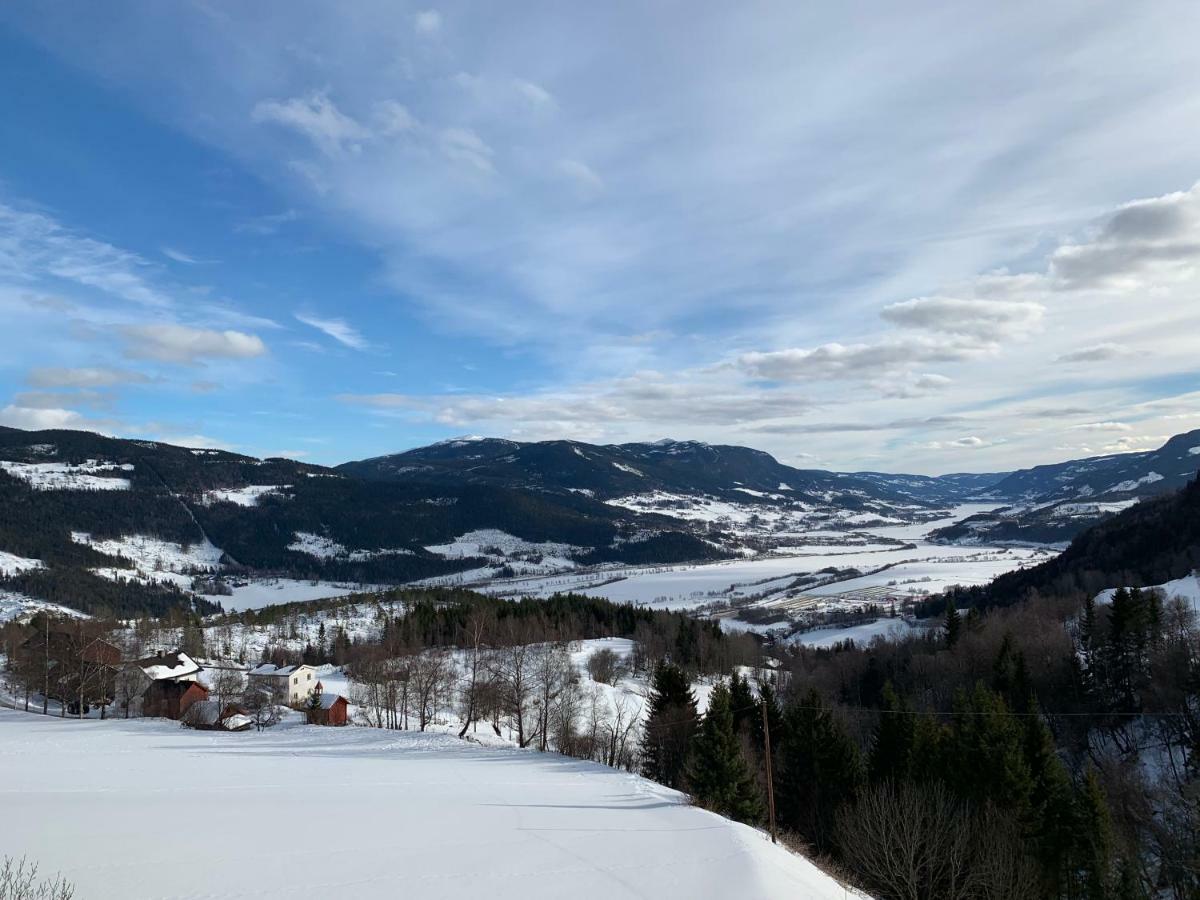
(171, 699)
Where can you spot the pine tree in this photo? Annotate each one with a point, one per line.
(820, 770)
(987, 747)
(953, 623)
(892, 744)
(670, 725)
(1095, 845)
(742, 704)
(717, 772)
(766, 696)
(1053, 824)
(974, 620)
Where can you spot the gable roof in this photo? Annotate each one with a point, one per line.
(276, 671)
(328, 701)
(174, 666)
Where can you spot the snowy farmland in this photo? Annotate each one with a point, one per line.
(93, 475)
(131, 808)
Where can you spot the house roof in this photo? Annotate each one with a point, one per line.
(174, 666)
(276, 671)
(328, 700)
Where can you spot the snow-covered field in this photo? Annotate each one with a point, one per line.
(245, 496)
(259, 592)
(142, 808)
(11, 564)
(924, 570)
(888, 629)
(18, 606)
(52, 476)
(320, 547)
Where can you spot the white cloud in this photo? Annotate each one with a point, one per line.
(34, 245)
(392, 118)
(179, 256)
(534, 93)
(182, 344)
(38, 419)
(1103, 426)
(836, 361)
(427, 22)
(1095, 353)
(970, 442)
(338, 329)
(1153, 239)
(581, 174)
(316, 117)
(463, 145)
(982, 319)
(83, 377)
(60, 400)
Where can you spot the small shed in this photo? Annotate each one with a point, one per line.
(330, 709)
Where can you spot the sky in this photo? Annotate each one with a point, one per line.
(919, 237)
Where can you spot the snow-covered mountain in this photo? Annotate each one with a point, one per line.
(1053, 503)
(675, 467)
(139, 526)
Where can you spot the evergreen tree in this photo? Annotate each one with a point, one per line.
(767, 698)
(670, 724)
(927, 761)
(1095, 845)
(742, 704)
(892, 743)
(820, 770)
(1053, 825)
(1126, 638)
(953, 624)
(717, 772)
(988, 752)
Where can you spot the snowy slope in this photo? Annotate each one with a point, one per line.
(1186, 588)
(307, 812)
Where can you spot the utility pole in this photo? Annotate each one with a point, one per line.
(770, 782)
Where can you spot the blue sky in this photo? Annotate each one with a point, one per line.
(929, 240)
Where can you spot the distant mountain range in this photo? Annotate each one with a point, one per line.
(1053, 503)
(98, 522)
(674, 467)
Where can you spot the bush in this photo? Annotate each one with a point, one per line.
(19, 881)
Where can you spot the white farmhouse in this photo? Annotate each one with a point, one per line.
(292, 684)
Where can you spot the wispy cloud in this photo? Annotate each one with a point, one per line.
(338, 329)
(34, 245)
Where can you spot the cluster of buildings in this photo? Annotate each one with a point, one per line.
(173, 689)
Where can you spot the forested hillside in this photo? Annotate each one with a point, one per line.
(1153, 542)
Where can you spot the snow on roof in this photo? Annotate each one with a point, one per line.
(234, 722)
(176, 665)
(328, 700)
(276, 671)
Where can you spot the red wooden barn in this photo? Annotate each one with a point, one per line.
(331, 709)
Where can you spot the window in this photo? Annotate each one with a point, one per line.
(296, 680)
(310, 676)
